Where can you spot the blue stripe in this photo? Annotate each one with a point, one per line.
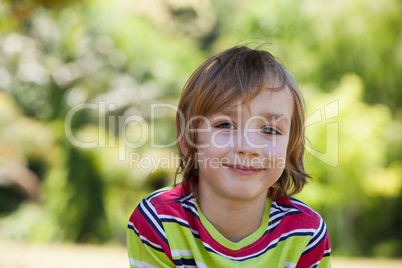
(152, 246)
(194, 214)
(182, 199)
(288, 206)
(275, 205)
(322, 227)
(174, 220)
(182, 261)
(188, 202)
(191, 205)
(132, 228)
(154, 216)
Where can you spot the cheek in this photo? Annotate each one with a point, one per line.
(278, 146)
(209, 159)
(276, 152)
(203, 139)
(221, 140)
(216, 140)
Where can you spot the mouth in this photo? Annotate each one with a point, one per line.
(247, 170)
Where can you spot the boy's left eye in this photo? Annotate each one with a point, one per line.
(225, 125)
(270, 130)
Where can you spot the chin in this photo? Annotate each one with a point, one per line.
(245, 195)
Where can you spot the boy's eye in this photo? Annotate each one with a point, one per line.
(270, 131)
(225, 125)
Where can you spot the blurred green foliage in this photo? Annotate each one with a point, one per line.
(125, 56)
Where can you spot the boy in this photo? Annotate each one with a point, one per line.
(240, 126)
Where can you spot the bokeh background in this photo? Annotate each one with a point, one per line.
(123, 56)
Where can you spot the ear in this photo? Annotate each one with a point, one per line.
(183, 144)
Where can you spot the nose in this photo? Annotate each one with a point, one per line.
(247, 144)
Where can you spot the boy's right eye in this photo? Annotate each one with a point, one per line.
(225, 125)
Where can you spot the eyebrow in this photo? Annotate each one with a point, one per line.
(275, 116)
(267, 115)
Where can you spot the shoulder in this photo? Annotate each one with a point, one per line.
(300, 212)
(165, 201)
(297, 218)
(146, 230)
(165, 195)
(306, 221)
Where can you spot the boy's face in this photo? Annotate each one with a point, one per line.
(242, 150)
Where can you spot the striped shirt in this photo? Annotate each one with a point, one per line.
(168, 229)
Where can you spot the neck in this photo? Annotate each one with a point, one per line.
(235, 220)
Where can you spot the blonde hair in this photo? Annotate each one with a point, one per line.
(239, 73)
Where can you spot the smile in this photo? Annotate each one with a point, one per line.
(246, 170)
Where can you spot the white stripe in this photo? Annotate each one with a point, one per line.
(192, 201)
(174, 218)
(273, 225)
(327, 251)
(161, 192)
(195, 232)
(141, 264)
(315, 264)
(276, 206)
(181, 252)
(289, 264)
(153, 244)
(276, 216)
(200, 265)
(152, 218)
(187, 197)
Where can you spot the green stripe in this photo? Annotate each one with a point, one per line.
(138, 251)
(244, 242)
(181, 238)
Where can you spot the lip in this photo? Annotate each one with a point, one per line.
(246, 170)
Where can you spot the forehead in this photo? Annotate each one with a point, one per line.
(269, 101)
